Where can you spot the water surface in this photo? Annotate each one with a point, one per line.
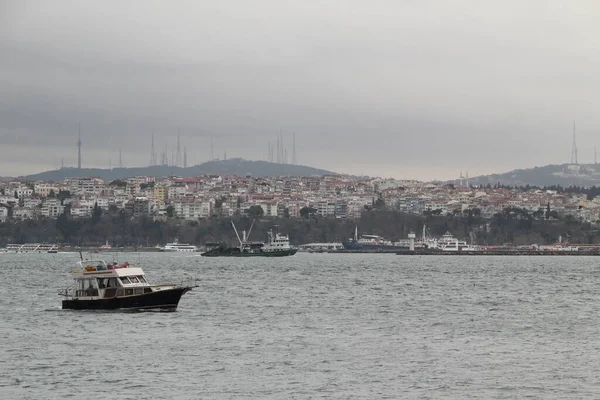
(311, 326)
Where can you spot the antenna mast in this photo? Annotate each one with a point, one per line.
(152, 153)
(79, 148)
(574, 148)
(178, 154)
(120, 159)
(294, 159)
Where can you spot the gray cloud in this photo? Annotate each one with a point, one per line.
(408, 89)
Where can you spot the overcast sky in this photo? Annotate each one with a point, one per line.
(400, 88)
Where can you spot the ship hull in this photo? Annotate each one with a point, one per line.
(233, 253)
(357, 247)
(167, 299)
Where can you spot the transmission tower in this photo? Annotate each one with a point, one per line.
(79, 148)
(574, 148)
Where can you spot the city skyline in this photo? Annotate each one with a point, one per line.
(410, 91)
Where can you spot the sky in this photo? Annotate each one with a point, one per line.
(410, 89)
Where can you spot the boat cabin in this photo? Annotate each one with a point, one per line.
(97, 279)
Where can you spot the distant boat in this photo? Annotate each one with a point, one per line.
(277, 245)
(373, 243)
(176, 246)
(106, 246)
(31, 248)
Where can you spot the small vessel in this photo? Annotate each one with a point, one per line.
(449, 243)
(277, 245)
(374, 244)
(102, 286)
(176, 246)
(32, 248)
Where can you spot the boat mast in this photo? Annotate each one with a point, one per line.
(236, 234)
(250, 230)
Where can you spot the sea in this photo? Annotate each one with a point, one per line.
(311, 326)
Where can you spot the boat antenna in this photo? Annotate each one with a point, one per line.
(236, 233)
(80, 256)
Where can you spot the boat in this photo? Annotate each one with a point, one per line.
(176, 246)
(102, 286)
(277, 245)
(32, 248)
(374, 244)
(449, 243)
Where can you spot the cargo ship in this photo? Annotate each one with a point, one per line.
(277, 245)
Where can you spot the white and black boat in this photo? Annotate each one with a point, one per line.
(176, 246)
(102, 286)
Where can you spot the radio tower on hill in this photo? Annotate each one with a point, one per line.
(178, 153)
(574, 148)
(79, 148)
(294, 159)
(152, 153)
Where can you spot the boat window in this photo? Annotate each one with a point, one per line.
(125, 280)
(134, 279)
(142, 279)
(90, 288)
(112, 283)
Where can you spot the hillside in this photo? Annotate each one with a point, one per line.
(564, 175)
(235, 166)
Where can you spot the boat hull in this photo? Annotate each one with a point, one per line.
(167, 299)
(376, 248)
(233, 253)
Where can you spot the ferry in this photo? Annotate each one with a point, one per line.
(449, 243)
(176, 246)
(374, 244)
(32, 248)
(102, 286)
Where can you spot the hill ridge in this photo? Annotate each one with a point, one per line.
(234, 166)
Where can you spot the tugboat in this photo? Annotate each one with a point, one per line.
(277, 245)
(102, 286)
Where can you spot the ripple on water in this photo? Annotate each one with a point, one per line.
(312, 325)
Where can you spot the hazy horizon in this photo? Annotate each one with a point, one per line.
(411, 90)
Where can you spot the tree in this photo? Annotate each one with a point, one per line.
(118, 182)
(306, 212)
(255, 211)
(63, 194)
(96, 213)
(51, 194)
(170, 211)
